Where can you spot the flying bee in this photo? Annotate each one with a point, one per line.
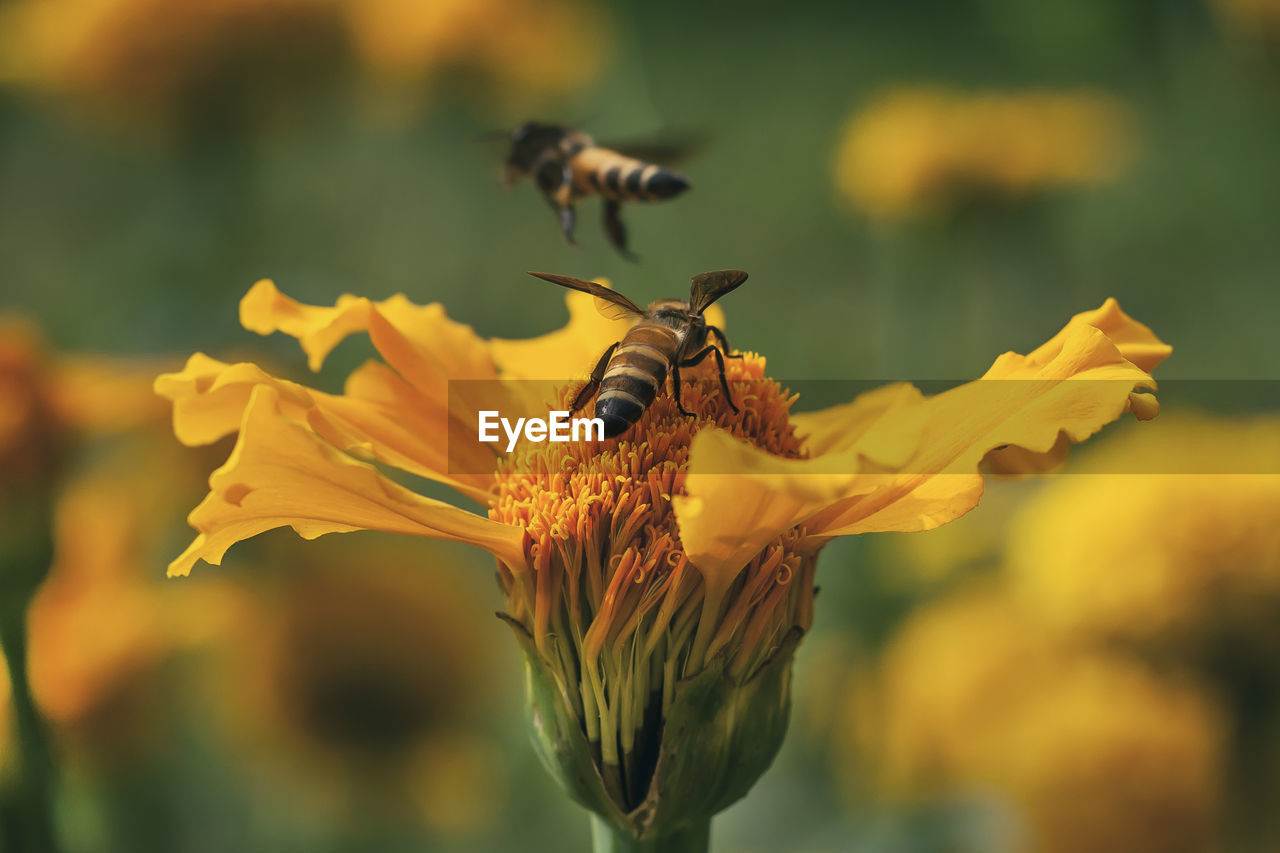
(567, 165)
(668, 335)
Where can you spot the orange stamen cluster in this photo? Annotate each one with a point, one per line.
(610, 598)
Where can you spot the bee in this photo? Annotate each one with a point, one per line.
(567, 165)
(668, 335)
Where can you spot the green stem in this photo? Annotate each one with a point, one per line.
(607, 838)
(36, 794)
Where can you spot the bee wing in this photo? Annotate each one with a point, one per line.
(710, 286)
(610, 303)
(668, 151)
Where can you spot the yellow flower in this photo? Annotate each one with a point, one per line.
(640, 572)
(353, 665)
(1097, 752)
(1167, 539)
(537, 45)
(913, 151)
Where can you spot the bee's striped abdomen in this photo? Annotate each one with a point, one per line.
(635, 374)
(623, 178)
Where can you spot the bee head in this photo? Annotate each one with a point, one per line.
(528, 141)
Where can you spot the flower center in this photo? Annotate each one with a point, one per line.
(610, 599)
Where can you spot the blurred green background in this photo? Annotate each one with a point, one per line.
(144, 187)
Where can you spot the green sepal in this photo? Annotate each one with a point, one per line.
(557, 734)
(719, 737)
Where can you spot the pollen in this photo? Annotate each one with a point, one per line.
(609, 597)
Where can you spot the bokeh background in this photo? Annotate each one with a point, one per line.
(1083, 663)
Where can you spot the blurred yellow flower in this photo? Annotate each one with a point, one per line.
(918, 151)
(1128, 550)
(49, 401)
(351, 665)
(1096, 752)
(103, 623)
(684, 547)
(526, 45)
(185, 62)
(214, 66)
(1250, 17)
(95, 626)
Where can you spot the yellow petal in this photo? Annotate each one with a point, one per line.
(282, 474)
(209, 397)
(380, 417)
(419, 341)
(841, 427)
(1084, 386)
(1136, 342)
(384, 417)
(264, 310)
(907, 462)
(444, 362)
(739, 498)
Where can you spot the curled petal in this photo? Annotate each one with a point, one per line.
(1136, 342)
(380, 417)
(908, 462)
(740, 498)
(209, 397)
(1086, 385)
(426, 423)
(419, 341)
(386, 418)
(727, 518)
(283, 474)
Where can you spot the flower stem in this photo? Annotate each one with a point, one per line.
(692, 838)
(36, 804)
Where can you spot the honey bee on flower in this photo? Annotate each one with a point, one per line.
(657, 582)
(668, 335)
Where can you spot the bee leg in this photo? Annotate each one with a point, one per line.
(555, 181)
(567, 218)
(724, 342)
(594, 382)
(616, 230)
(675, 390)
(698, 357)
